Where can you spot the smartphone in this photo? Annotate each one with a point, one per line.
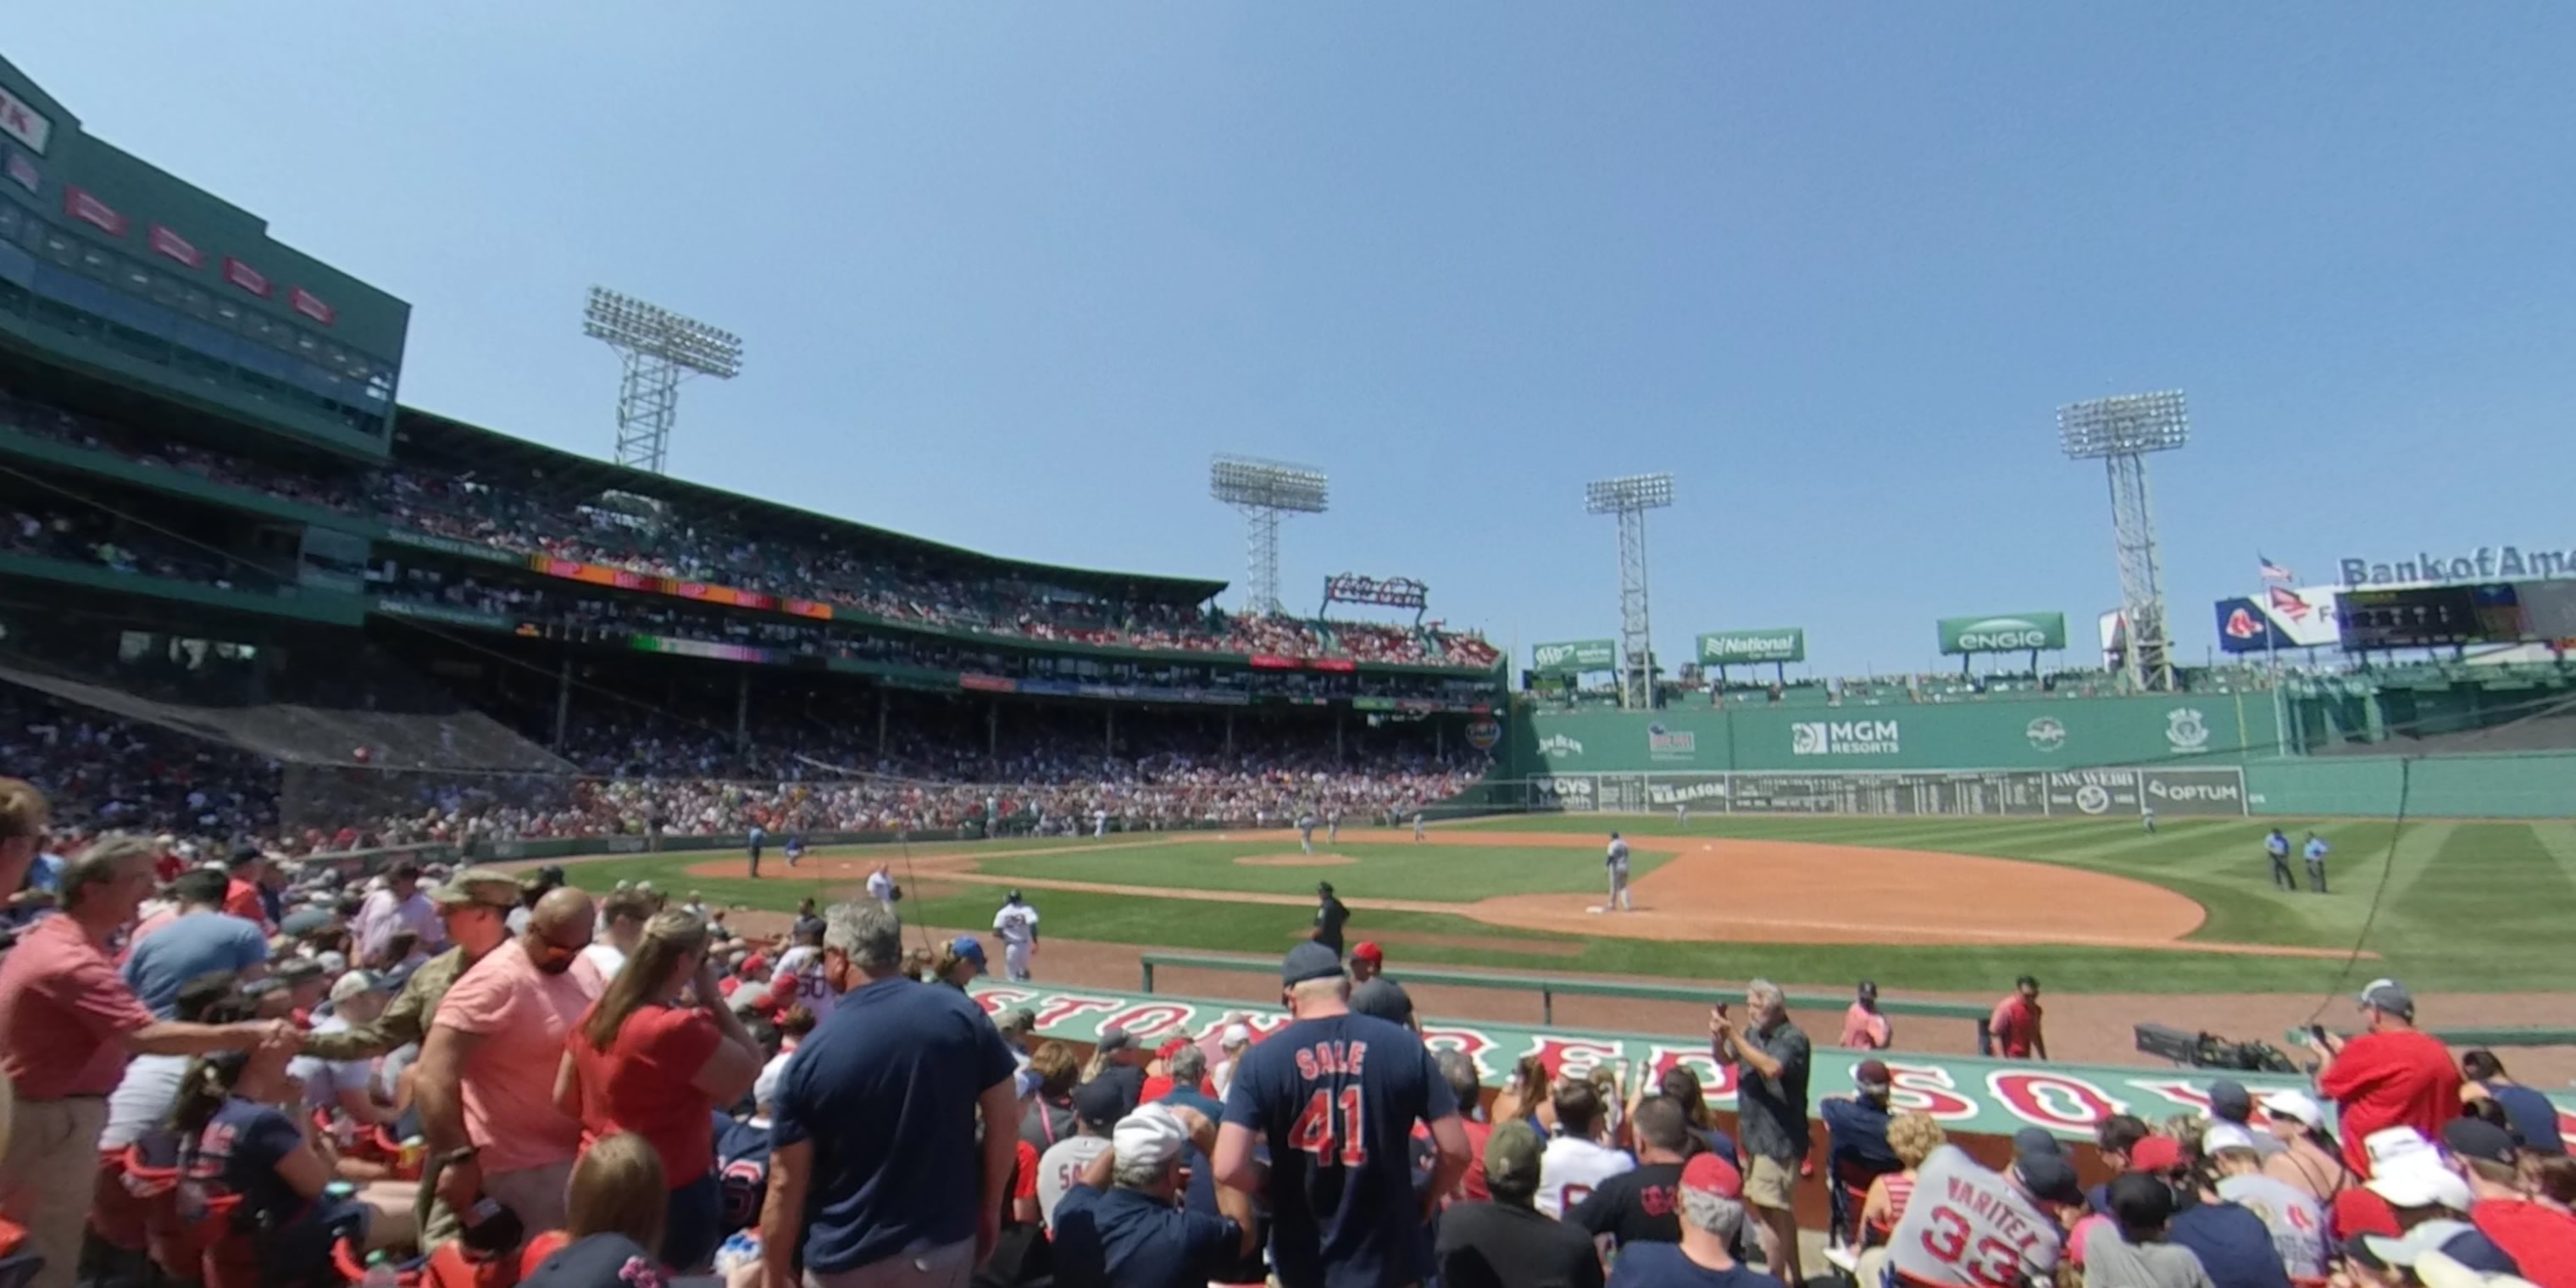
(1720, 1008)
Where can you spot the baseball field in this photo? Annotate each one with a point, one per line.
(1921, 904)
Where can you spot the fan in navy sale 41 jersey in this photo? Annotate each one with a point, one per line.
(1336, 1098)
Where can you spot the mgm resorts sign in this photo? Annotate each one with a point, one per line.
(2503, 562)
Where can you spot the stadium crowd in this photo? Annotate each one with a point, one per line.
(646, 774)
(530, 516)
(255, 1072)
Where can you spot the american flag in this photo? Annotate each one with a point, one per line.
(2275, 572)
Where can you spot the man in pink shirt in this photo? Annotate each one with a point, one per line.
(486, 1079)
(1863, 1026)
(399, 906)
(68, 1024)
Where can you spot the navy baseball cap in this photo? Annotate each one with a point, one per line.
(970, 948)
(1099, 1102)
(1309, 960)
(1383, 998)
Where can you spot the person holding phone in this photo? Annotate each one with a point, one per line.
(1771, 1055)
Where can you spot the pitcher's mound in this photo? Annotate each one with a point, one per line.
(1296, 860)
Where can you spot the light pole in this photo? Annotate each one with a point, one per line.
(1630, 498)
(2119, 432)
(1265, 492)
(660, 349)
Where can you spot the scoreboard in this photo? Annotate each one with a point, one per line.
(2444, 616)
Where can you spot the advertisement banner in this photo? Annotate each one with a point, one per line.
(1703, 792)
(2195, 791)
(1576, 656)
(1968, 1095)
(2003, 633)
(1561, 792)
(1726, 648)
(2081, 792)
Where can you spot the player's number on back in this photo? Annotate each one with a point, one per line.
(1991, 1261)
(1313, 1131)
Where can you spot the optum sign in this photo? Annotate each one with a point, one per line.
(2013, 633)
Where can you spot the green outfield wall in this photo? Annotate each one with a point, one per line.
(2040, 734)
(2177, 755)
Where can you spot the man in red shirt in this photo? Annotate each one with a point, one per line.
(68, 1024)
(241, 893)
(2391, 1076)
(2015, 1023)
(2540, 1239)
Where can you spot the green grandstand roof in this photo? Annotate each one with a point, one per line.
(449, 436)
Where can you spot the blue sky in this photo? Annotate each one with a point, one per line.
(1008, 274)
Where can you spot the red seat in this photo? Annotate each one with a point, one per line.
(116, 1212)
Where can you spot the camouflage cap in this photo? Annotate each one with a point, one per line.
(479, 885)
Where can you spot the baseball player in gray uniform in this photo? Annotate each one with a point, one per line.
(1617, 861)
(1306, 831)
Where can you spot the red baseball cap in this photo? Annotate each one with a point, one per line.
(1169, 1048)
(2155, 1154)
(1709, 1174)
(1368, 951)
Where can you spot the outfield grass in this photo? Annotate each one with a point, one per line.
(2471, 906)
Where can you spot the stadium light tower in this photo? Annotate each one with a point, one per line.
(1630, 498)
(2119, 432)
(1266, 492)
(660, 349)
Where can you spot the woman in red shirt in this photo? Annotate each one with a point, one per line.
(656, 1055)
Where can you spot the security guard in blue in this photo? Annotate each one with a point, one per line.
(2277, 848)
(2315, 853)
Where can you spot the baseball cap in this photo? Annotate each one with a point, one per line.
(2390, 996)
(2479, 1139)
(478, 885)
(1152, 1135)
(1019, 1019)
(334, 963)
(1368, 951)
(2408, 1250)
(2035, 1140)
(2226, 1135)
(1511, 1157)
(601, 1260)
(296, 970)
(1171, 1046)
(1872, 1075)
(1709, 1174)
(1383, 998)
(2420, 1180)
(353, 984)
(1309, 960)
(1869, 990)
(968, 947)
(1236, 1035)
(1099, 1102)
(2297, 1106)
(2392, 1144)
(1115, 1039)
(2229, 1101)
(2049, 1178)
(2440, 1269)
(242, 854)
(2155, 1154)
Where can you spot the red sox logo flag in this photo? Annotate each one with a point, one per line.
(2242, 626)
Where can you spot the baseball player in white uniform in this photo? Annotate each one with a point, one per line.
(881, 886)
(1099, 824)
(1681, 814)
(1017, 924)
(1973, 1228)
(1333, 826)
(1306, 831)
(1417, 825)
(1616, 859)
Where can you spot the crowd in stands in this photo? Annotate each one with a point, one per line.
(252, 1071)
(530, 516)
(637, 773)
(79, 534)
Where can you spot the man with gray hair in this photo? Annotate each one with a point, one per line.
(1771, 1057)
(876, 1176)
(1119, 1225)
(68, 1024)
(1712, 1202)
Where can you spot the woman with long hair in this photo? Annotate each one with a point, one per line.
(235, 1142)
(614, 1217)
(1682, 1085)
(958, 963)
(658, 1053)
(1526, 1096)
